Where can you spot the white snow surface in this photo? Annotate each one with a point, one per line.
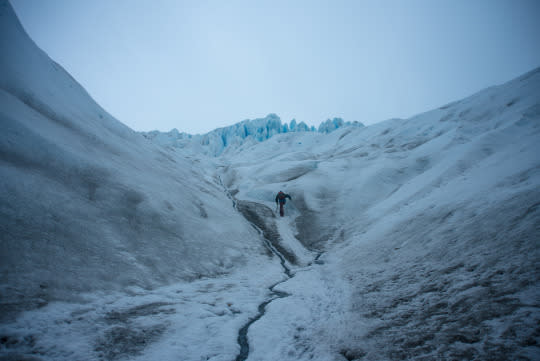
(88, 204)
(409, 239)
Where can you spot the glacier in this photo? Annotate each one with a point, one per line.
(410, 239)
(249, 131)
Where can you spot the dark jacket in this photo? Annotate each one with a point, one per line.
(282, 197)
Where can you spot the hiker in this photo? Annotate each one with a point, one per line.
(282, 199)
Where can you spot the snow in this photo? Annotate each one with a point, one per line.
(197, 320)
(408, 239)
(87, 203)
(428, 226)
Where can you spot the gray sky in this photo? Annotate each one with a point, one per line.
(200, 65)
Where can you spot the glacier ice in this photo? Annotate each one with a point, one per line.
(407, 239)
(229, 138)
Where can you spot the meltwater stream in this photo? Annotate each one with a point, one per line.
(242, 333)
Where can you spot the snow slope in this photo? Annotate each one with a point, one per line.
(88, 204)
(429, 228)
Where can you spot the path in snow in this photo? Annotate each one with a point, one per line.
(261, 218)
(254, 213)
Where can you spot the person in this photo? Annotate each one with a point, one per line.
(282, 199)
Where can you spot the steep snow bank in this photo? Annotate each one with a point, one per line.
(86, 203)
(430, 229)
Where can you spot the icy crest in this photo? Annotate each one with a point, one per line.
(258, 130)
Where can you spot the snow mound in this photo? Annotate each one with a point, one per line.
(429, 229)
(86, 203)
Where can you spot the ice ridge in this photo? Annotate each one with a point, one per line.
(258, 130)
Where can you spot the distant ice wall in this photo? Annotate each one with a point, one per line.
(258, 130)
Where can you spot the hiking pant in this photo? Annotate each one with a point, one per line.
(281, 211)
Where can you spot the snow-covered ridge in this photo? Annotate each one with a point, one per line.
(431, 223)
(229, 138)
(88, 204)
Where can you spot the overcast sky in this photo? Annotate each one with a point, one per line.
(200, 65)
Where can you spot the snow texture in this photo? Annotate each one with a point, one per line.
(413, 239)
(87, 203)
